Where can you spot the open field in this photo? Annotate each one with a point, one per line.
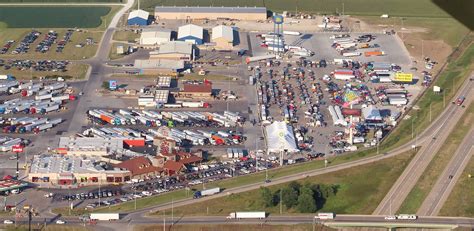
(53, 17)
(420, 8)
(359, 191)
(234, 227)
(113, 51)
(76, 71)
(125, 35)
(435, 168)
(450, 81)
(63, 1)
(461, 200)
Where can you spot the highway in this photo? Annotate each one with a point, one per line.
(287, 219)
(404, 184)
(444, 185)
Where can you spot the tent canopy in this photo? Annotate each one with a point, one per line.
(280, 137)
(371, 113)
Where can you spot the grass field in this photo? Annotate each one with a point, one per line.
(424, 185)
(233, 227)
(450, 80)
(461, 200)
(419, 8)
(125, 36)
(360, 191)
(47, 228)
(76, 71)
(113, 51)
(53, 17)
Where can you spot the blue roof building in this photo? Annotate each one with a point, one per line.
(191, 33)
(138, 17)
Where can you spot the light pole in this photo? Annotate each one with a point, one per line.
(281, 202)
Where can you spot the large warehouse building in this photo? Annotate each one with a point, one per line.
(138, 17)
(174, 50)
(191, 33)
(212, 13)
(223, 37)
(158, 66)
(151, 38)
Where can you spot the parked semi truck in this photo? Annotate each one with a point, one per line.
(247, 215)
(207, 192)
(104, 216)
(325, 216)
(258, 58)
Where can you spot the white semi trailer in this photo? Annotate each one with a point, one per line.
(247, 215)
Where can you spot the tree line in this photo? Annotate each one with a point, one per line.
(307, 198)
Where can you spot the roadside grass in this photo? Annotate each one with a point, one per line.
(113, 51)
(76, 70)
(419, 8)
(125, 35)
(450, 81)
(447, 29)
(360, 190)
(424, 185)
(460, 202)
(234, 227)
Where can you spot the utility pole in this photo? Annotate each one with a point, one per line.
(412, 134)
(430, 112)
(164, 220)
(172, 211)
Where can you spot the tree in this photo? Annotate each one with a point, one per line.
(289, 196)
(295, 185)
(266, 197)
(306, 202)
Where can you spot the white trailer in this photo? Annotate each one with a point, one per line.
(104, 216)
(351, 54)
(193, 104)
(397, 101)
(258, 58)
(247, 215)
(45, 96)
(296, 33)
(44, 127)
(325, 216)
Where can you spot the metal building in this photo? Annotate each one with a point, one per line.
(151, 38)
(174, 50)
(191, 33)
(138, 17)
(212, 13)
(223, 37)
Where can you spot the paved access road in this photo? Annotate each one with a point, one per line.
(447, 180)
(405, 183)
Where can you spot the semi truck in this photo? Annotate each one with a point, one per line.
(104, 216)
(207, 192)
(407, 217)
(247, 215)
(325, 216)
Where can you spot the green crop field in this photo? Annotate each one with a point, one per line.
(52, 17)
(407, 8)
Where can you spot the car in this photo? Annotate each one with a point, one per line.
(460, 100)
(60, 222)
(15, 191)
(12, 158)
(390, 218)
(8, 222)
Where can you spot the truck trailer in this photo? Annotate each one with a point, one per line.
(104, 216)
(207, 192)
(247, 215)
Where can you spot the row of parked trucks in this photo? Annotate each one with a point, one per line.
(160, 118)
(7, 143)
(28, 124)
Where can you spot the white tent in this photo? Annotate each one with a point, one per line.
(371, 113)
(280, 137)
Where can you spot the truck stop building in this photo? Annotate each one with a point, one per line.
(191, 33)
(174, 50)
(223, 37)
(66, 171)
(138, 17)
(196, 91)
(140, 167)
(158, 66)
(212, 13)
(151, 38)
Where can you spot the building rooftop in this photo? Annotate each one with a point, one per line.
(138, 166)
(190, 30)
(222, 31)
(210, 9)
(159, 64)
(156, 33)
(205, 88)
(172, 47)
(139, 13)
(67, 164)
(90, 143)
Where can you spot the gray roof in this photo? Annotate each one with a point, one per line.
(159, 64)
(172, 47)
(210, 9)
